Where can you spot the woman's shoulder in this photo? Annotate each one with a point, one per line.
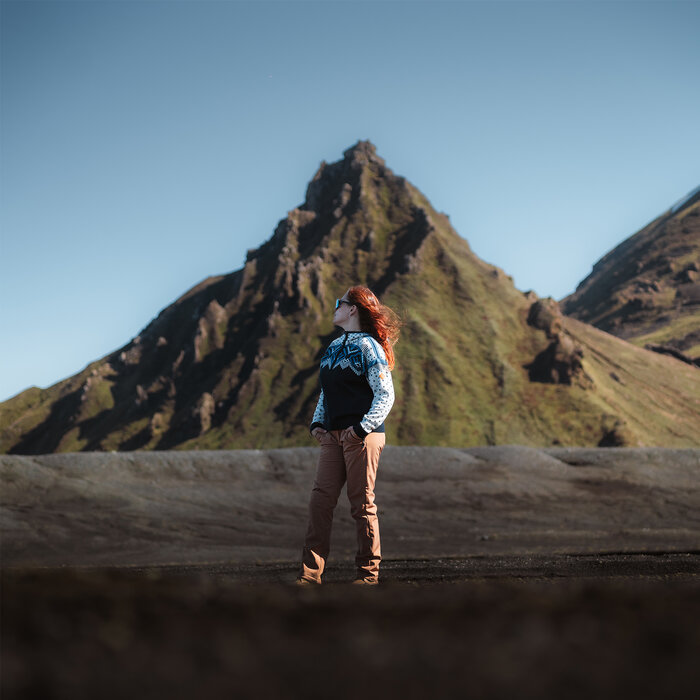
(372, 349)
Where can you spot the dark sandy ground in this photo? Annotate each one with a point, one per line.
(508, 572)
(590, 626)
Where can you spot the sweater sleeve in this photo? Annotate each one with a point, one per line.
(319, 418)
(379, 378)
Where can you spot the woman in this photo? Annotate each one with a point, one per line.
(356, 396)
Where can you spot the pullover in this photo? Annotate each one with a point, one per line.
(356, 385)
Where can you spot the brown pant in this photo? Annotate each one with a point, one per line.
(343, 457)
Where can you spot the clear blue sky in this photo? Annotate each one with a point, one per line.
(148, 145)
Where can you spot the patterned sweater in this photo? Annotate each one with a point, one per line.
(356, 386)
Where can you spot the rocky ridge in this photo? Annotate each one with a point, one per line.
(647, 289)
(233, 363)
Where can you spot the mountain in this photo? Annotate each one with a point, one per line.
(647, 289)
(233, 363)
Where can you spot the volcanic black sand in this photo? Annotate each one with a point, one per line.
(508, 572)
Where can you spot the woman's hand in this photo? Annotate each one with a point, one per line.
(318, 433)
(350, 432)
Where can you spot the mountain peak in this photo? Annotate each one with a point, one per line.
(336, 181)
(233, 363)
(362, 153)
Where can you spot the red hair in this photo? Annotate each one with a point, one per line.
(376, 319)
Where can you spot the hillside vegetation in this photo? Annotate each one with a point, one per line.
(233, 363)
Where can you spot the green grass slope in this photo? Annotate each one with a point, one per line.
(233, 363)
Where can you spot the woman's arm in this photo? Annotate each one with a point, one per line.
(318, 421)
(379, 378)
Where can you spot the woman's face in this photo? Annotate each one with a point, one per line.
(342, 313)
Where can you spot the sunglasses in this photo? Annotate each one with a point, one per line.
(338, 302)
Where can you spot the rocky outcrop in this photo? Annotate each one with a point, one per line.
(669, 350)
(561, 362)
(616, 433)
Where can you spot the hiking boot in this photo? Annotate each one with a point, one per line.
(305, 582)
(366, 581)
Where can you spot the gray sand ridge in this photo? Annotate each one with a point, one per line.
(152, 508)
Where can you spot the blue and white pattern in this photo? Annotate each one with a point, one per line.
(357, 354)
(320, 412)
(379, 378)
(365, 357)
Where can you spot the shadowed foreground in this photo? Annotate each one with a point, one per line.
(508, 572)
(615, 626)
